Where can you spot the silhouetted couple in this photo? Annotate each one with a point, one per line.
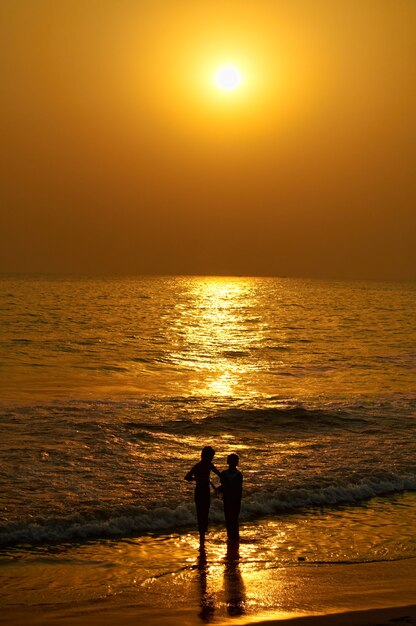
(231, 489)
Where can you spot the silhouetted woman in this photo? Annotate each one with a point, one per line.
(201, 473)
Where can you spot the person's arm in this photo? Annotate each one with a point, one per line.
(240, 485)
(220, 488)
(217, 489)
(190, 475)
(214, 469)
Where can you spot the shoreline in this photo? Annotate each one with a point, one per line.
(399, 616)
(391, 616)
(370, 594)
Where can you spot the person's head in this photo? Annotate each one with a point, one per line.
(232, 460)
(207, 454)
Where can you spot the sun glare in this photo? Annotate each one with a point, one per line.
(228, 78)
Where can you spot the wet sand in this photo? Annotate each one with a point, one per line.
(377, 617)
(396, 616)
(374, 594)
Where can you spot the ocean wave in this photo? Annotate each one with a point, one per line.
(259, 419)
(271, 417)
(128, 521)
(330, 495)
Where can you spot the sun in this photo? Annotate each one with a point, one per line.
(228, 77)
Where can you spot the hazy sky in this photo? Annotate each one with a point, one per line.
(120, 155)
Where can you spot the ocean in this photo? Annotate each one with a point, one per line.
(111, 386)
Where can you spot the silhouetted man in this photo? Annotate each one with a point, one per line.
(232, 489)
(201, 473)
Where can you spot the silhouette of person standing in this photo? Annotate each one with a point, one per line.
(201, 473)
(232, 489)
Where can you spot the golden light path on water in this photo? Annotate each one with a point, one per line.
(220, 333)
(212, 337)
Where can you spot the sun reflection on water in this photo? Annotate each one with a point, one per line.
(217, 331)
(222, 384)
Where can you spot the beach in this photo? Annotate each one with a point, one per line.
(112, 387)
(337, 595)
(168, 579)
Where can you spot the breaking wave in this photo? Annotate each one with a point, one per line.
(129, 520)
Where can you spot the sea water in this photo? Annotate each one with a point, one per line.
(110, 387)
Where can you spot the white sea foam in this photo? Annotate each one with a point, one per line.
(136, 520)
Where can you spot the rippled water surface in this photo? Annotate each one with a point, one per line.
(111, 386)
(211, 337)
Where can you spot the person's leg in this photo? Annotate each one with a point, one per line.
(231, 513)
(228, 514)
(202, 502)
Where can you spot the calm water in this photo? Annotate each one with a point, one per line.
(110, 387)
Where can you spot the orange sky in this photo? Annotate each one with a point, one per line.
(119, 155)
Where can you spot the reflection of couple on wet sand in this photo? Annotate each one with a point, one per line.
(231, 488)
(234, 590)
